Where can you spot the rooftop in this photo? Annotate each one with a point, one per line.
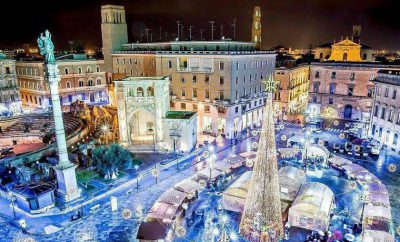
(142, 78)
(179, 115)
(33, 189)
(388, 76)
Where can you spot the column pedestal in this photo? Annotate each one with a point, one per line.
(67, 186)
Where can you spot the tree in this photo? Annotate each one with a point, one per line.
(109, 160)
(85, 176)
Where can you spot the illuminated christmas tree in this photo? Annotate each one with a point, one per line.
(262, 217)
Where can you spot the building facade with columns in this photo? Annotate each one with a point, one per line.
(385, 116)
(145, 119)
(81, 79)
(293, 89)
(10, 100)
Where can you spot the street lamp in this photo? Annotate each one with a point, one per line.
(12, 203)
(137, 176)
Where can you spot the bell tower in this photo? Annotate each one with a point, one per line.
(114, 33)
(256, 28)
(357, 34)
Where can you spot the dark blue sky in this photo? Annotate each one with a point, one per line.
(295, 23)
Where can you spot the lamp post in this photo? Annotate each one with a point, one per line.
(175, 134)
(12, 203)
(137, 176)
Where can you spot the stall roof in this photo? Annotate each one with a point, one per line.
(366, 177)
(162, 211)
(377, 188)
(152, 230)
(173, 197)
(379, 212)
(187, 186)
(33, 189)
(291, 175)
(376, 235)
(339, 161)
(353, 168)
(236, 160)
(378, 199)
(315, 195)
(222, 165)
(205, 173)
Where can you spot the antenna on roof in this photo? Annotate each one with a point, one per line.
(212, 29)
(190, 32)
(234, 29)
(178, 23)
(147, 34)
(222, 31)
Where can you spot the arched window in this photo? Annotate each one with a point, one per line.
(68, 85)
(344, 56)
(332, 87)
(98, 81)
(79, 70)
(150, 92)
(139, 92)
(89, 69)
(97, 68)
(66, 71)
(81, 83)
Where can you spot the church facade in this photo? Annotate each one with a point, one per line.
(145, 121)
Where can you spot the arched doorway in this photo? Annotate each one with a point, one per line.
(344, 56)
(348, 109)
(142, 127)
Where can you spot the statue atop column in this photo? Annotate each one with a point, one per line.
(65, 170)
(46, 47)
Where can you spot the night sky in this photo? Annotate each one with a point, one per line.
(292, 23)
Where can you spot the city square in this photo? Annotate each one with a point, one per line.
(201, 132)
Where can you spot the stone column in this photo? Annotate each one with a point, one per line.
(65, 170)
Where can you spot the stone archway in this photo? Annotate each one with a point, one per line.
(142, 127)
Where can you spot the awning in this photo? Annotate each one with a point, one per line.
(376, 235)
(378, 212)
(339, 161)
(173, 197)
(162, 211)
(188, 186)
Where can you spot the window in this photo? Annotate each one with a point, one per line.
(369, 93)
(169, 64)
(81, 83)
(90, 83)
(221, 80)
(315, 86)
(350, 90)
(330, 100)
(378, 90)
(183, 92)
(206, 109)
(139, 92)
(380, 132)
(183, 106)
(236, 109)
(237, 80)
(394, 94)
(398, 118)
(383, 113)
(98, 81)
(79, 70)
(376, 111)
(66, 71)
(332, 87)
(68, 85)
(221, 95)
(314, 99)
(97, 68)
(194, 79)
(194, 93)
(386, 92)
(395, 138)
(317, 74)
(237, 65)
(182, 79)
(352, 76)
(8, 70)
(333, 75)
(195, 107)
(207, 94)
(387, 135)
(221, 66)
(150, 92)
(207, 80)
(89, 69)
(390, 118)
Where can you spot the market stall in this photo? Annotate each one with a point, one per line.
(233, 199)
(290, 180)
(375, 235)
(312, 207)
(338, 162)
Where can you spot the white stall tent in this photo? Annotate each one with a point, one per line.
(312, 206)
(376, 236)
(234, 198)
(290, 181)
(377, 212)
